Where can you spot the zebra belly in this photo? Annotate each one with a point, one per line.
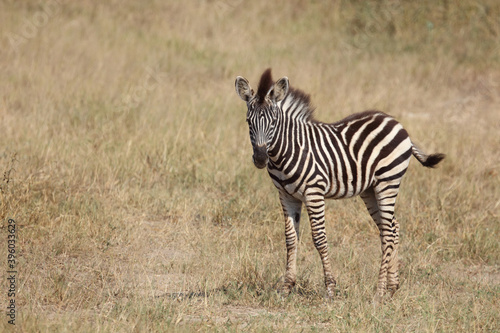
(299, 192)
(349, 189)
(316, 182)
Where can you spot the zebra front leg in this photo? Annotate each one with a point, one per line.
(316, 210)
(291, 209)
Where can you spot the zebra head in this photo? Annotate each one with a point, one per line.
(262, 112)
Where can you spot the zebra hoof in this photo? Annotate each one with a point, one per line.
(330, 292)
(285, 290)
(380, 298)
(392, 291)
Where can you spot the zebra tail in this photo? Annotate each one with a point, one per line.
(429, 161)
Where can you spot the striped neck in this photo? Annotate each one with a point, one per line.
(297, 106)
(294, 111)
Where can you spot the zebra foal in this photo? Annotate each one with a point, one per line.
(365, 154)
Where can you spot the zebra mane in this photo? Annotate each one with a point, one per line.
(265, 83)
(297, 104)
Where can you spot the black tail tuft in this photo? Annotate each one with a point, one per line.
(429, 161)
(432, 160)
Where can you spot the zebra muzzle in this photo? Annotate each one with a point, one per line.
(260, 156)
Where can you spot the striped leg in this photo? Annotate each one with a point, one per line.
(291, 209)
(380, 203)
(315, 205)
(392, 270)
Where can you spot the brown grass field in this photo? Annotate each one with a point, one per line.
(127, 168)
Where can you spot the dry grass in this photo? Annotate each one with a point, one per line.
(127, 164)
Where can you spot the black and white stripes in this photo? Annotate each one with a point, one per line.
(364, 154)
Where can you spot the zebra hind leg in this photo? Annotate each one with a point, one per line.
(393, 269)
(380, 205)
(291, 210)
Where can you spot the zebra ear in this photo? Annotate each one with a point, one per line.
(243, 88)
(279, 90)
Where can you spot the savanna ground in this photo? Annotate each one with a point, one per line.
(127, 166)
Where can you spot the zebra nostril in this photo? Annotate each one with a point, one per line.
(260, 157)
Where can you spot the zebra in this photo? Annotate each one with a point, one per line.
(365, 154)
